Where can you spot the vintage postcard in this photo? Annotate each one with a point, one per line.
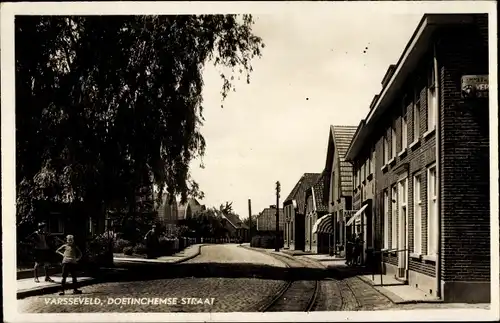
(249, 161)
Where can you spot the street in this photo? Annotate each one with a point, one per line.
(223, 278)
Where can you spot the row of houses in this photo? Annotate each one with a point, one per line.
(413, 177)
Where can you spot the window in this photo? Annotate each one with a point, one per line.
(402, 215)
(386, 151)
(56, 223)
(404, 130)
(363, 172)
(386, 220)
(394, 224)
(371, 163)
(417, 216)
(393, 142)
(432, 103)
(359, 177)
(416, 121)
(432, 216)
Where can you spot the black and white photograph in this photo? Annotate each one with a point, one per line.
(248, 161)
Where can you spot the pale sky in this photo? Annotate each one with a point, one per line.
(268, 130)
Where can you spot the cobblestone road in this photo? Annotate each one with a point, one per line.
(224, 278)
(229, 294)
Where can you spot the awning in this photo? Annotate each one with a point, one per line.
(356, 215)
(323, 225)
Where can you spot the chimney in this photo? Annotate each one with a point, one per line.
(388, 75)
(272, 206)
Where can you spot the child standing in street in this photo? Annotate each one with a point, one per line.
(71, 255)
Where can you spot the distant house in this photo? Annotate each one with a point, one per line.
(294, 211)
(266, 220)
(189, 209)
(316, 208)
(168, 213)
(339, 190)
(236, 228)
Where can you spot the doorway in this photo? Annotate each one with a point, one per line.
(403, 230)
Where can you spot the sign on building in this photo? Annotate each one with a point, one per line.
(475, 86)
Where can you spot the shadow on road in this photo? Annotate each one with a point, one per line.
(143, 272)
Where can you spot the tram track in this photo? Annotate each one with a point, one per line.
(296, 295)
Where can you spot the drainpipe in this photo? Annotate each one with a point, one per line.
(438, 172)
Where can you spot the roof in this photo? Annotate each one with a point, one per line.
(182, 207)
(413, 52)
(340, 138)
(235, 221)
(319, 193)
(298, 193)
(269, 211)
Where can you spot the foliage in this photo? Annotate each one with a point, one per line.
(140, 249)
(120, 244)
(265, 241)
(129, 251)
(108, 105)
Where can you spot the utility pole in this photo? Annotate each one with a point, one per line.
(278, 188)
(250, 219)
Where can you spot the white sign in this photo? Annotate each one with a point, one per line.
(475, 86)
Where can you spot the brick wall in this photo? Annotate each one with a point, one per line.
(266, 221)
(464, 157)
(414, 162)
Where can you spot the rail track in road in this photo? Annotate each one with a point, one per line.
(296, 295)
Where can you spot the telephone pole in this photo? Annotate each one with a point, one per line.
(250, 219)
(278, 188)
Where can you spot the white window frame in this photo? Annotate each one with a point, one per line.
(394, 145)
(432, 99)
(402, 209)
(386, 150)
(386, 220)
(432, 216)
(417, 214)
(394, 217)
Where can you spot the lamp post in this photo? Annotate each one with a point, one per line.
(278, 188)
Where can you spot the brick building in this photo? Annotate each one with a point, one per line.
(316, 208)
(266, 220)
(428, 132)
(339, 188)
(294, 211)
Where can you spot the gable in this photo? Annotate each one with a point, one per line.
(340, 138)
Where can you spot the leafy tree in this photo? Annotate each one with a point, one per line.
(109, 105)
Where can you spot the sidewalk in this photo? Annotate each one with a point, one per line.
(395, 290)
(27, 287)
(184, 255)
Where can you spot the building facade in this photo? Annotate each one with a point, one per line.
(294, 212)
(339, 188)
(316, 208)
(266, 220)
(429, 212)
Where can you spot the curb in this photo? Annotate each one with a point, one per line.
(196, 254)
(395, 299)
(55, 288)
(29, 273)
(159, 262)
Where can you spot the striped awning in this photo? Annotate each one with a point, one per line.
(323, 225)
(356, 215)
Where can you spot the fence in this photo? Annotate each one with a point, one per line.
(376, 259)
